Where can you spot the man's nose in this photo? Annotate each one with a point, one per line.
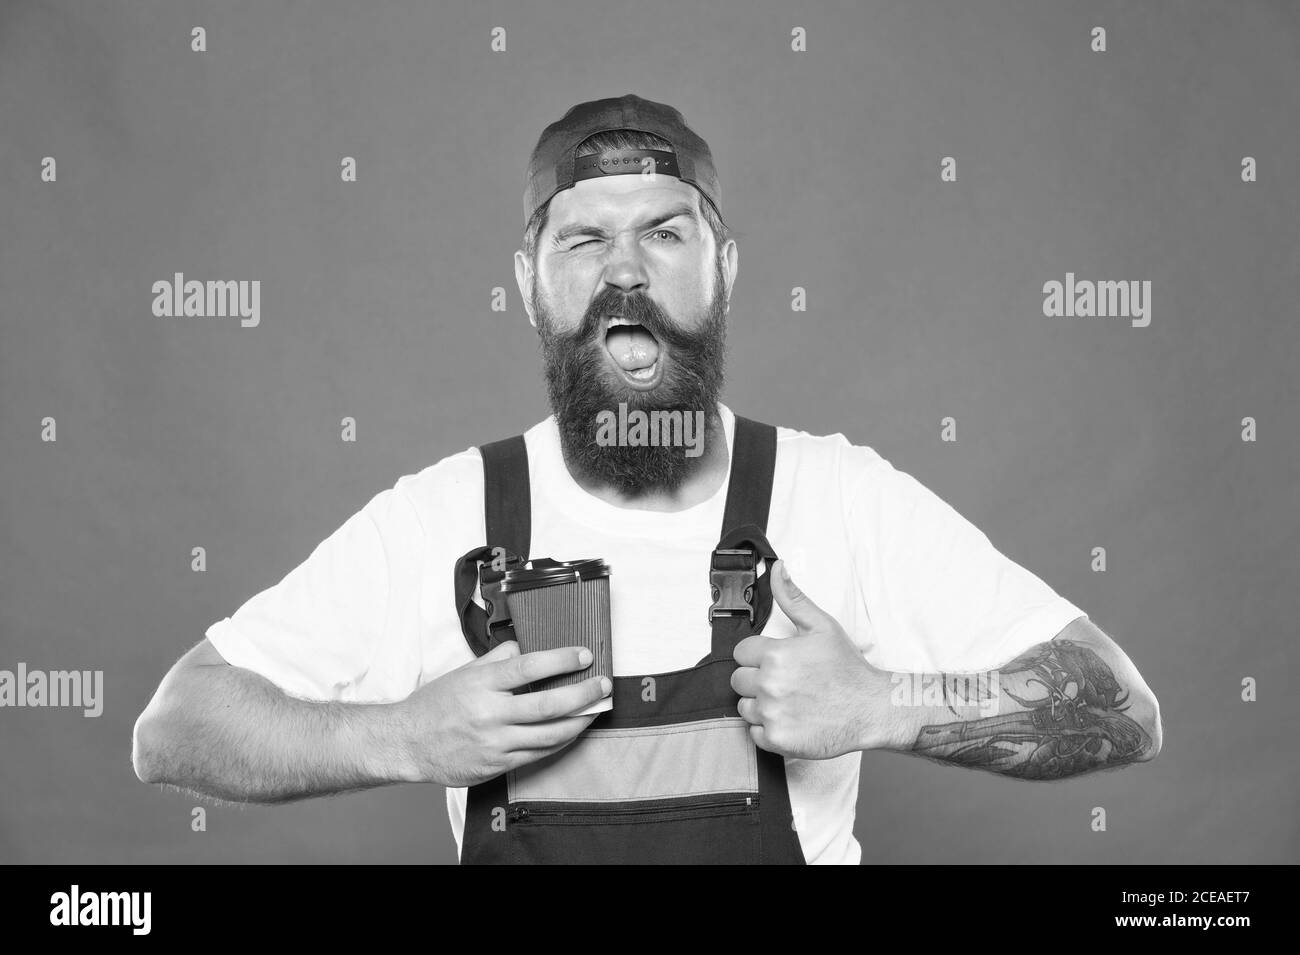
(625, 268)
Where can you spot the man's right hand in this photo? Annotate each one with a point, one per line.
(467, 726)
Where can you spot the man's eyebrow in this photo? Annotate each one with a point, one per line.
(570, 231)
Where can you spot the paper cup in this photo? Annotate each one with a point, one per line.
(563, 604)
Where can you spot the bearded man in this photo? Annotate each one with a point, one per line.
(743, 691)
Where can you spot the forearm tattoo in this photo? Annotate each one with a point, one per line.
(1074, 720)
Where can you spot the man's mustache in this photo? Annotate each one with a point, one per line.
(636, 307)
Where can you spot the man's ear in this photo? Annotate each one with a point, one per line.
(730, 266)
(524, 278)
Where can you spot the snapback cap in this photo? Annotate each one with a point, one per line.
(554, 167)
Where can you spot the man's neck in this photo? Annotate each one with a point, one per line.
(708, 473)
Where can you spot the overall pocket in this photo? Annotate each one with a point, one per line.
(717, 828)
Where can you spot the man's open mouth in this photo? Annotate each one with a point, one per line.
(634, 351)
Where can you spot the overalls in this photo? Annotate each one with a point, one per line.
(670, 775)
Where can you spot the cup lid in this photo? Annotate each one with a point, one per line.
(544, 572)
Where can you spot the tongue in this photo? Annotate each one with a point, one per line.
(632, 347)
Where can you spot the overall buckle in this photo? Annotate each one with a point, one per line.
(732, 572)
(494, 601)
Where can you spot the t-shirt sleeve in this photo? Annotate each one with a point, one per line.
(319, 631)
(938, 594)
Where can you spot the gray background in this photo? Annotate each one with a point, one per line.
(924, 300)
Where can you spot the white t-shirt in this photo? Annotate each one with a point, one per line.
(370, 615)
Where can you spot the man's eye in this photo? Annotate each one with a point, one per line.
(663, 235)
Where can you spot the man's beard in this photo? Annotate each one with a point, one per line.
(580, 385)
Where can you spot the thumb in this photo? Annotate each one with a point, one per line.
(502, 651)
(794, 603)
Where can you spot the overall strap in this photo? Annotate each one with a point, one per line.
(507, 513)
(507, 499)
(753, 462)
(742, 599)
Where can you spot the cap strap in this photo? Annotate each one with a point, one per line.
(624, 162)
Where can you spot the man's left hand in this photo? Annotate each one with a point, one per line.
(811, 695)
